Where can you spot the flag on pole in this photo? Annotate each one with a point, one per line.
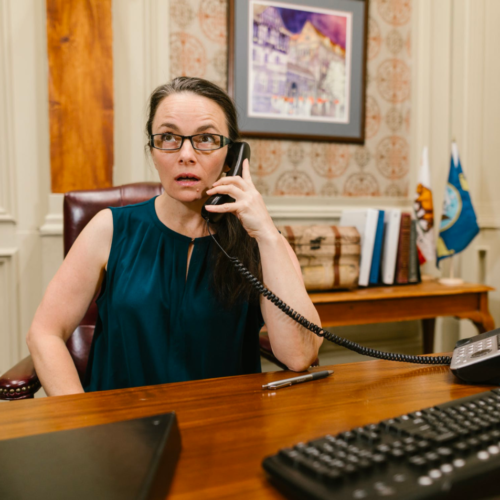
(458, 223)
(424, 212)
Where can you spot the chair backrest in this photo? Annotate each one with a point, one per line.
(79, 208)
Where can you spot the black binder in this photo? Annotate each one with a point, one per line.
(131, 460)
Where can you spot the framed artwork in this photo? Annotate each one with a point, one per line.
(297, 68)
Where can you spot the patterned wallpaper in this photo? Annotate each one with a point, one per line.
(198, 47)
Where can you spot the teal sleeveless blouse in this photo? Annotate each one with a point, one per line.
(154, 324)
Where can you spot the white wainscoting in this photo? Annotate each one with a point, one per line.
(475, 123)
(141, 59)
(51, 233)
(24, 169)
(7, 166)
(9, 309)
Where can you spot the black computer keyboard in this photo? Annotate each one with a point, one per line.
(447, 451)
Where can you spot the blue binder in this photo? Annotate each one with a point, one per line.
(377, 250)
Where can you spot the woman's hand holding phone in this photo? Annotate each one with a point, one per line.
(292, 343)
(248, 204)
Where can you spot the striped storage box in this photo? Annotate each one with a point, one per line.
(328, 255)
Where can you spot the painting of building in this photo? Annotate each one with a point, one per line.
(299, 65)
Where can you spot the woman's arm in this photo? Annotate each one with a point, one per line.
(292, 344)
(64, 304)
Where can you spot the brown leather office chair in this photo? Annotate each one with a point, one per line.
(21, 381)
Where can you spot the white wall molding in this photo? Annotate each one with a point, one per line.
(431, 111)
(7, 252)
(53, 224)
(23, 110)
(476, 124)
(489, 221)
(51, 233)
(7, 165)
(141, 45)
(157, 54)
(475, 112)
(303, 208)
(6, 217)
(485, 187)
(9, 307)
(488, 215)
(279, 208)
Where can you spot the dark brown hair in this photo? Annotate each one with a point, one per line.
(230, 287)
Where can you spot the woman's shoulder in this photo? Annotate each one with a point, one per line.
(95, 238)
(101, 224)
(133, 207)
(106, 221)
(133, 212)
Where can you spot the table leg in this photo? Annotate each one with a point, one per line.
(482, 318)
(485, 324)
(488, 323)
(428, 334)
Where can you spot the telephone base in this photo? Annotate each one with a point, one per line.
(476, 360)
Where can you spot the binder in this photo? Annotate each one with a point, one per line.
(377, 250)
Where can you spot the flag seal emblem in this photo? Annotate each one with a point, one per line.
(452, 207)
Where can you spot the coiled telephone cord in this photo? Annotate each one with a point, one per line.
(320, 332)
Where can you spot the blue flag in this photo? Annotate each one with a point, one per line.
(458, 222)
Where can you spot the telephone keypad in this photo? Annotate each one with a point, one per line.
(476, 351)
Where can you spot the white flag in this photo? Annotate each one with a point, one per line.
(424, 212)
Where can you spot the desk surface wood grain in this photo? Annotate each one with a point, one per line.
(229, 425)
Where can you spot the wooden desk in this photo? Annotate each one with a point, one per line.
(423, 301)
(229, 425)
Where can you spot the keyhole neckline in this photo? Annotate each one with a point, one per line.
(156, 220)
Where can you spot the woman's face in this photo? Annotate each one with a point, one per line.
(186, 174)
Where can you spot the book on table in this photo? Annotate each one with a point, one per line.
(414, 266)
(365, 221)
(388, 246)
(403, 255)
(377, 250)
(392, 222)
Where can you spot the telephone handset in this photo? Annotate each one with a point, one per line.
(236, 153)
(477, 359)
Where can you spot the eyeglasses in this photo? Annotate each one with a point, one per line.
(200, 142)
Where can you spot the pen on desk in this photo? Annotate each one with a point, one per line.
(297, 380)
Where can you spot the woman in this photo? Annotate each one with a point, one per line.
(172, 307)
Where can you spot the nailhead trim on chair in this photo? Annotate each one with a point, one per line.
(17, 391)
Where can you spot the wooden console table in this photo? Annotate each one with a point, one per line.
(424, 301)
